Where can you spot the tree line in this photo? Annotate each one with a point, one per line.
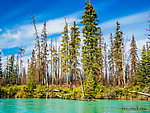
(55, 64)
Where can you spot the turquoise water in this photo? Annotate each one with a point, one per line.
(72, 106)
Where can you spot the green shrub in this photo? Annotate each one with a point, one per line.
(30, 86)
(136, 88)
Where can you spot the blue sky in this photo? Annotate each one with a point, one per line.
(16, 29)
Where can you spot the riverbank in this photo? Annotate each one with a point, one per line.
(31, 91)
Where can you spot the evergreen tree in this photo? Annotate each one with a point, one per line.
(143, 73)
(90, 48)
(51, 62)
(24, 77)
(59, 55)
(33, 75)
(1, 71)
(148, 59)
(19, 68)
(65, 52)
(127, 73)
(106, 65)
(74, 47)
(55, 65)
(44, 54)
(111, 63)
(28, 68)
(118, 42)
(100, 59)
(6, 72)
(12, 75)
(19, 77)
(38, 51)
(134, 60)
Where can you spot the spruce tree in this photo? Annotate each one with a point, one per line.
(6, 72)
(143, 73)
(59, 75)
(65, 52)
(127, 73)
(111, 62)
(21, 71)
(74, 47)
(44, 54)
(100, 58)
(106, 64)
(148, 60)
(134, 60)
(51, 62)
(33, 76)
(1, 73)
(12, 75)
(17, 67)
(38, 51)
(90, 48)
(28, 68)
(54, 65)
(118, 42)
(24, 80)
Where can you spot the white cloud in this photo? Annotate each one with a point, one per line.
(11, 35)
(130, 25)
(127, 20)
(141, 43)
(24, 35)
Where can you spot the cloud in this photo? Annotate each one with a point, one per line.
(10, 35)
(130, 25)
(127, 20)
(57, 25)
(23, 36)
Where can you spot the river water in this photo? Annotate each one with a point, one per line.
(72, 106)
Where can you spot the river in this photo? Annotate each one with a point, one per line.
(72, 106)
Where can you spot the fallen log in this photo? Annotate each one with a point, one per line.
(55, 90)
(140, 93)
(58, 96)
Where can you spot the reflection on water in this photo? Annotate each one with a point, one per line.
(72, 106)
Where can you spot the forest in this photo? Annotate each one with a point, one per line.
(79, 68)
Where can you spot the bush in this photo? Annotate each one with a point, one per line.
(30, 86)
(147, 88)
(136, 88)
